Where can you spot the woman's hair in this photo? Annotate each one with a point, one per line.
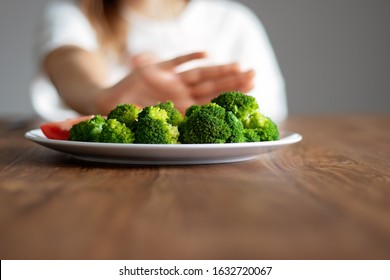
(110, 26)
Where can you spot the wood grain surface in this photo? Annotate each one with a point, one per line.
(327, 197)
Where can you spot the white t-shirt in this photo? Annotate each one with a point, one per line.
(226, 30)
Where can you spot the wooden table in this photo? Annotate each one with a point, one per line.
(327, 197)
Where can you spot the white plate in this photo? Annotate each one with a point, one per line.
(163, 154)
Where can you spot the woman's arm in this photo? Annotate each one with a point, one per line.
(80, 76)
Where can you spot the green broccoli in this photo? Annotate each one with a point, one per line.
(174, 116)
(87, 131)
(251, 135)
(114, 131)
(192, 109)
(210, 124)
(246, 109)
(125, 113)
(153, 127)
(236, 128)
(265, 128)
(239, 104)
(232, 117)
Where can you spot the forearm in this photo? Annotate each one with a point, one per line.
(79, 78)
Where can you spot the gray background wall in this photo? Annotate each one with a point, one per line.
(334, 54)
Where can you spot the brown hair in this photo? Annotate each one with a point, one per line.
(110, 26)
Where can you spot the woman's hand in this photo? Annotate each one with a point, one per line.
(80, 78)
(150, 83)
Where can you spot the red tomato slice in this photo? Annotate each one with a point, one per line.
(60, 130)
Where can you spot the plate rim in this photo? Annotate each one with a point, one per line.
(36, 135)
(162, 154)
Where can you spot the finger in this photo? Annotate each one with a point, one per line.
(230, 83)
(182, 59)
(143, 59)
(247, 87)
(161, 80)
(160, 84)
(198, 75)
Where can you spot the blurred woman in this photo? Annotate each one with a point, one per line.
(95, 54)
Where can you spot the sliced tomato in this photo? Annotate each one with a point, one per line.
(60, 130)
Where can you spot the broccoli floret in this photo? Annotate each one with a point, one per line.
(236, 128)
(174, 116)
(153, 127)
(87, 131)
(251, 135)
(257, 126)
(125, 113)
(211, 124)
(239, 104)
(192, 109)
(114, 131)
(265, 128)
